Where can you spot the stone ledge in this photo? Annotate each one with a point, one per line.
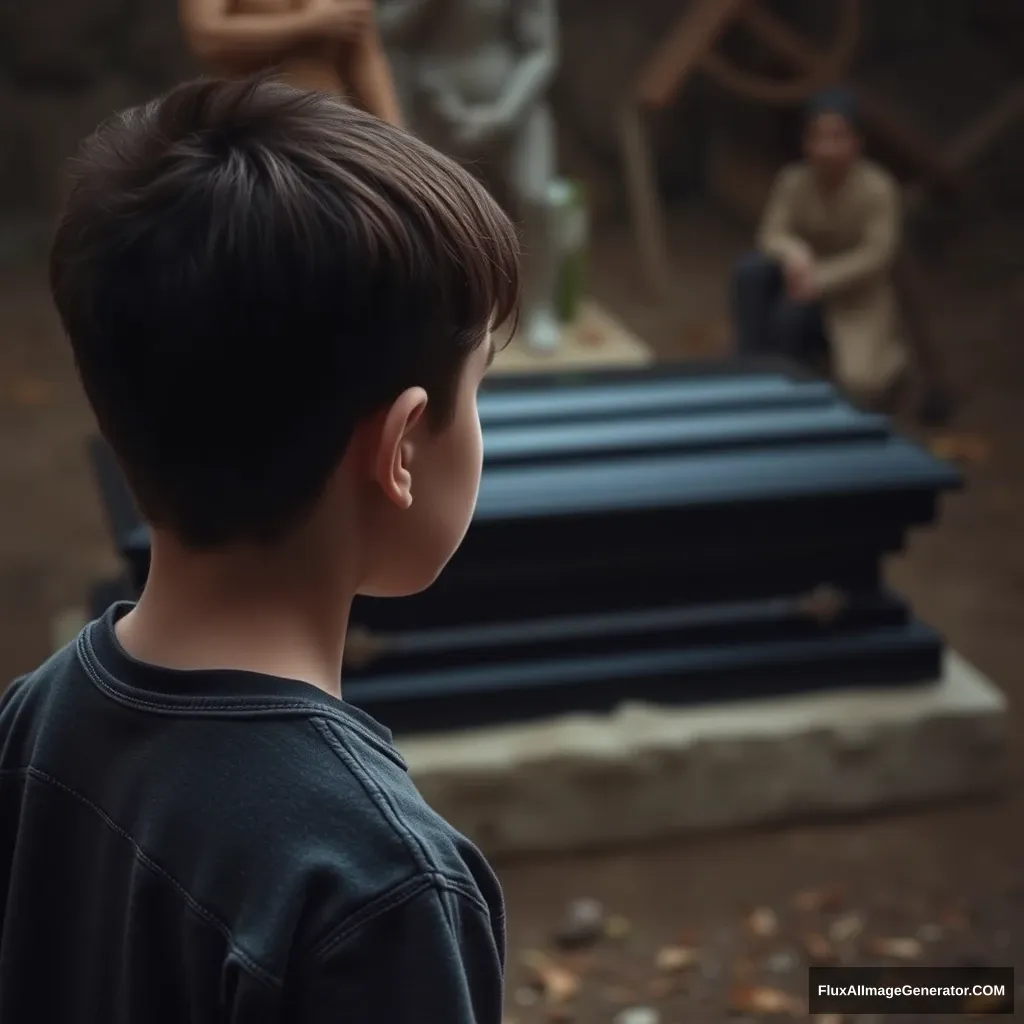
(597, 340)
(644, 773)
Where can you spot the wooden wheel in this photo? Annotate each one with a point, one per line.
(774, 35)
(689, 47)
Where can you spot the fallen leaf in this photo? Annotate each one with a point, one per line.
(846, 927)
(960, 448)
(764, 1001)
(895, 949)
(560, 1015)
(617, 927)
(819, 950)
(591, 337)
(763, 922)
(676, 958)
(824, 604)
(820, 901)
(557, 982)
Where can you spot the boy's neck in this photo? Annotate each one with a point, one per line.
(246, 611)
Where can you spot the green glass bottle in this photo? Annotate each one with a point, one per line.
(567, 206)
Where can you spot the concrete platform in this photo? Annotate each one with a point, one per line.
(596, 340)
(646, 773)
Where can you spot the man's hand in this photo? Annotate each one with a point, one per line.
(801, 278)
(343, 20)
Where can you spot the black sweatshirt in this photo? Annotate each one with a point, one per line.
(225, 846)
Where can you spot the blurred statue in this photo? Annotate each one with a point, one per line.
(480, 72)
(330, 45)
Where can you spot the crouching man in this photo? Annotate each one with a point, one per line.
(820, 287)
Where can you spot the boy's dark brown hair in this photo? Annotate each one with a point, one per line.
(245, 272)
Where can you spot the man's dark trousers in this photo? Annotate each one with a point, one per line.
(767, 322)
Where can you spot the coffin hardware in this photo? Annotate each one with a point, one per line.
(822, 605)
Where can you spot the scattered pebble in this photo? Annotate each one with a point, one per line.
(638, 1015)
(782, 963)
(700, 967)
(846, 927)
(526, 996)
(763, 923)
(582, 925)
(676, 958)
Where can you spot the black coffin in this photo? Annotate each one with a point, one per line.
(655, 535)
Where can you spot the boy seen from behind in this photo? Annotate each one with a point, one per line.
(280, 308)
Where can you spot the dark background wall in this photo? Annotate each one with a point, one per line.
(64, 64)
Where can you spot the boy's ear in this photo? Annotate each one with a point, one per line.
(396, 446)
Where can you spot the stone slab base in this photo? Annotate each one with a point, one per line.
(596, 340)
(645, 773)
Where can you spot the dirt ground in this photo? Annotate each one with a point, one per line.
(950, 879)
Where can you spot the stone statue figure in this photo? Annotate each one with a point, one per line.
(480, 71)
(333, 45)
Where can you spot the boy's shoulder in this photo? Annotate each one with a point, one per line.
(279, 812)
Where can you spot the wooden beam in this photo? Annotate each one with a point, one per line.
(676, 60)
(971, 143)
(877, 116)
(646, 213)
(981, 133)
